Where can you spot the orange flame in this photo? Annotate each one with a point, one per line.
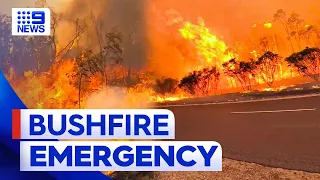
(58, 88)
(210, 48)
(268, 25)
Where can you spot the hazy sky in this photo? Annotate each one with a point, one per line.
(236, 17)
(227, 18)
(6, 5)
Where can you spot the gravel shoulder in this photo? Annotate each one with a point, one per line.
(234, 170)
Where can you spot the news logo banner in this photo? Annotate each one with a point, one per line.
(120, 156)
(93, 124)
(31, 22)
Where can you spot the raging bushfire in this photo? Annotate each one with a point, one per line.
(216, 67)
(211, 50)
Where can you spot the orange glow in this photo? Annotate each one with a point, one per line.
(178, 47)
(209, 47)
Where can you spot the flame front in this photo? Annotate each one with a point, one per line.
(211, 50)
(60, 88)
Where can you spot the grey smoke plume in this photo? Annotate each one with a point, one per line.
(117, 98)
(232, 19)
(127, 16)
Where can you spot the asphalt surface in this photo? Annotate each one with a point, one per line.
(277, 132)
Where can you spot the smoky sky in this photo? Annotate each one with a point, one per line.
(234, 18)
(127, 16)
(7, 5)
(230, 19)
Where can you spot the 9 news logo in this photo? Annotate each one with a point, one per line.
(30, 21)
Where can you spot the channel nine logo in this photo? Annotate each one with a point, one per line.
(31, 21)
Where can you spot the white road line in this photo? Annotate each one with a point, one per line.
(274, 111)
(238, 102)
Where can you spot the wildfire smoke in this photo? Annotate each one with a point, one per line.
(165, 40)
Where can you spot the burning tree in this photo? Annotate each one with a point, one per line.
(242, 71)
(307, 62)
(201, 82)
(298, 33)
(112, 48)
(281, 16)
(166, 86)
(111, 54)
(80, 72)
(267, 66)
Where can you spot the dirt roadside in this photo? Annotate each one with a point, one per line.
(237, 170)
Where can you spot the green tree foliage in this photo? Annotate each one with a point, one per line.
(242, 71)
(307, 62)
(201, 83)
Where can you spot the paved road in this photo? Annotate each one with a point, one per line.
(279, 133)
